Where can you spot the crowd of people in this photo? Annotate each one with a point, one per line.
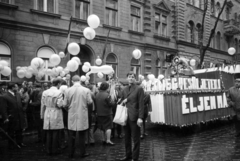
(60, 112)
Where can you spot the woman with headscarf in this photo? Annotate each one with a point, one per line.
(104, 112)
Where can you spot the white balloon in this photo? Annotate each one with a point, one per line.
(93, 21)
(28, 75)
(49, 72)
(30, 69)
(59, 77)
(72, 65)
(4, 63)
(68, 76)
(55, 59)
(89, 33)
(21, 73)
(100, 75)
(83, 78)
(61, 54)
(137, 54)
(73, 48)
(62, 74)
(1, 67)
(17, 68)
(87, 77)
(66, 70)
(231, 51)
(87, 64)
(6, 71)
(59, 69)
(160, 77)
(85, 68)
(98, 61)
(192, 62)
(55, 72)
(77, 60)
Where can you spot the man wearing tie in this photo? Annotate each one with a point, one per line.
(132, 96)
(233, 98)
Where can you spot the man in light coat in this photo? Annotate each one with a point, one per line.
(77, 99)
(52, 116)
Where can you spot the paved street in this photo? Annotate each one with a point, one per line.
(162, 144)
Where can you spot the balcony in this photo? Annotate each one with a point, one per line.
(231, 27)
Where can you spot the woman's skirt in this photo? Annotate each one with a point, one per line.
(105, 122)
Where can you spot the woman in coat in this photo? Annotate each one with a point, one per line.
(25, 100)
(104, 112)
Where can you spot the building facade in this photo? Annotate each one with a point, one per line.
(38, 28)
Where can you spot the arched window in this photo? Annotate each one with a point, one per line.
(112, 61)
(136, 66)
(198, 33)
(213, 7)
(218, 39)
(236, 44)
(213, 41)
(191, 2)
(190, 32)
(45, 53)
(197, 3)
(5, 54)
(218, 8)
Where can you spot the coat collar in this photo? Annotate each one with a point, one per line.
(77, 85)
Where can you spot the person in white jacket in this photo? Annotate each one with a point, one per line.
(51, 113)
(77, 99)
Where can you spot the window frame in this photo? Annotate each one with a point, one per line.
(137, 66)
(46, 60)
(140, 27)
(55, 6)
(158, 67)
(10, 61)
(89, 8)
(113, 63)
(218, 40)
(117, 9)
(10, 2)
(190, 27)
(160, 21)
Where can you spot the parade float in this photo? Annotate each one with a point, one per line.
(190, 96)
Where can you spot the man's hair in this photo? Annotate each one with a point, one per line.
(56, 81)
(76, 78)
(63, 82)
(10, 85)
(131, 73)
(104, 86)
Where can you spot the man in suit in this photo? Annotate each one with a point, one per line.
(77, 100)
(132, 96)
(13, 114)
(233, 98)
(3, 87)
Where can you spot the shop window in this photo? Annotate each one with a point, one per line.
(5, 54)
(112, 61)
(82, 9)
(112, 12)
(136, 19)
(136, 66)
(45, 53)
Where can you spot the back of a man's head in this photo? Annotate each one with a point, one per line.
(76, 78)
(56, 81)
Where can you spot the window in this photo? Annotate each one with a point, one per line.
(198, 33)
(5, 1)
(5, 54)
(227, 13)
(112, 12)
(112, 61)
(161, 24)
(158, 67)
(218, 39)
(82, 9)
(236, 44)
(46, 5)
(136, 66)
(197, 3)
(45, 53)
(136, 18)
(191, 2)
(213, 7)
(190, 32)
(218, 7)
(213, 41)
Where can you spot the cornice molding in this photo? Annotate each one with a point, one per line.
(45, 13)
(6, 5)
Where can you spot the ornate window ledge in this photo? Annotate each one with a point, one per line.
(136, 32)
(161, 37)
(10, 6)
(79, 20)
(45, 13)
(112, 27)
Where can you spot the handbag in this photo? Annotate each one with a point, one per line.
(121, 115)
